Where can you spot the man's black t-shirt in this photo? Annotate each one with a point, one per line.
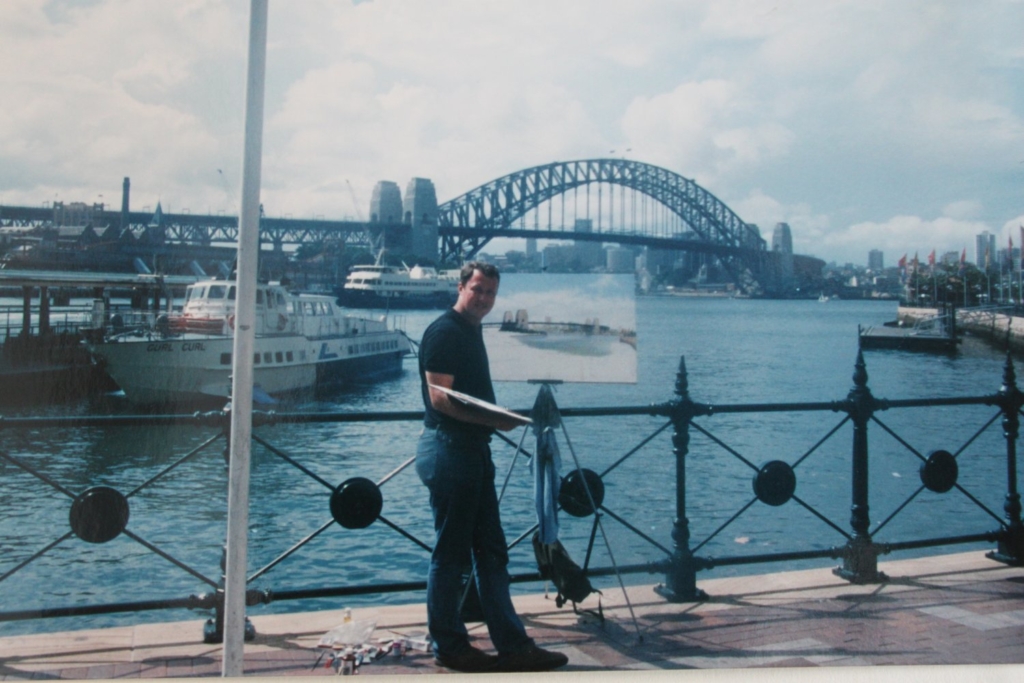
(453, 346)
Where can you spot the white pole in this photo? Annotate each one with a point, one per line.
(241, 367)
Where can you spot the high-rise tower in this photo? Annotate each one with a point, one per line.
(876, 262)
(985, 249)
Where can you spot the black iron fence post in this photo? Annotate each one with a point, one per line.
(681, 578)
(1011, 540)
(860, 555)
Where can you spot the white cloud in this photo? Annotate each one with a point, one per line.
(962, 210)
(903, 235)
(701, 128)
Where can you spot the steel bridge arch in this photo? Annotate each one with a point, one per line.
(469, 221)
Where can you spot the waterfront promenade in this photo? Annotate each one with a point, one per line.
(960, 609)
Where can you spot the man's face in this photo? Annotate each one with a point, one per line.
(476, 296)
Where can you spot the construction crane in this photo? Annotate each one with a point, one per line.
(355, 202)
(375, 242)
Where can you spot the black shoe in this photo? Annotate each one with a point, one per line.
(471, 660)
(532, 658)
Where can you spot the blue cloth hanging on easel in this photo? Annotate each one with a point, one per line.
(546, 464)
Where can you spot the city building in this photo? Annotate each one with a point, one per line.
(985, 249)
(590, 254)
(531, 249)
(620, 260)
(950, 258)
(876, 262)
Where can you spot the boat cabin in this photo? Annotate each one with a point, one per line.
(210, 308)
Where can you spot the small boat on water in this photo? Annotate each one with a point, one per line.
(936, 334)
(384, 286)
(303, 342)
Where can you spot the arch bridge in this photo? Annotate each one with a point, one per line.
(617, 200)
(656, 207)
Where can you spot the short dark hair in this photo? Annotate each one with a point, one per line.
(486, 269)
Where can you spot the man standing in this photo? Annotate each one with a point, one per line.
(453, 458)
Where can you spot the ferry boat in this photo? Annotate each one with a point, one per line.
(384, 286)
(303, 342)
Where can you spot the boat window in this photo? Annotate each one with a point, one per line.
(308, 307)
(256, 359)
(290, 356)
(188, 293)
(231, 293)
(279, 357)
(280, 299)
(259, 297)
(225, 359)
(268, 357)
(217, 292)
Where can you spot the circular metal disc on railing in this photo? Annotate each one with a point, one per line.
(356, 503)
(572, 495)
(939, 472)
(99, 514)
(774, 483)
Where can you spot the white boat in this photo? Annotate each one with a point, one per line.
(384, 286)
(303, 342)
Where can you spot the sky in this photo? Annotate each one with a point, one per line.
(863, 124)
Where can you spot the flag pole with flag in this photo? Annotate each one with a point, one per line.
(1009, 264)
(935, 280)
(1020, 268)
(917, 278)
(988, 281)
(962, 271)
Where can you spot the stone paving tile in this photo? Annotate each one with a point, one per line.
(958, 609)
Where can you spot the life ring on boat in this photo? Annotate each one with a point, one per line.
(282, 321)
(231, 322)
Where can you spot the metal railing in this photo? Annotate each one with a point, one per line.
(64, 319)
(99, 512)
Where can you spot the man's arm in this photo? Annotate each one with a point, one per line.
(443, 403)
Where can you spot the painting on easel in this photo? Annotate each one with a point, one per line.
(563, 328)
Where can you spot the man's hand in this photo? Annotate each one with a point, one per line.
(505, 424)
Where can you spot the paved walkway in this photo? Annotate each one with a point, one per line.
(961, 609)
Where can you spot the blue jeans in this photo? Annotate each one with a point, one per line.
(459, 473)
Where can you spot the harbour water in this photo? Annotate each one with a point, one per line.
(736, 351)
